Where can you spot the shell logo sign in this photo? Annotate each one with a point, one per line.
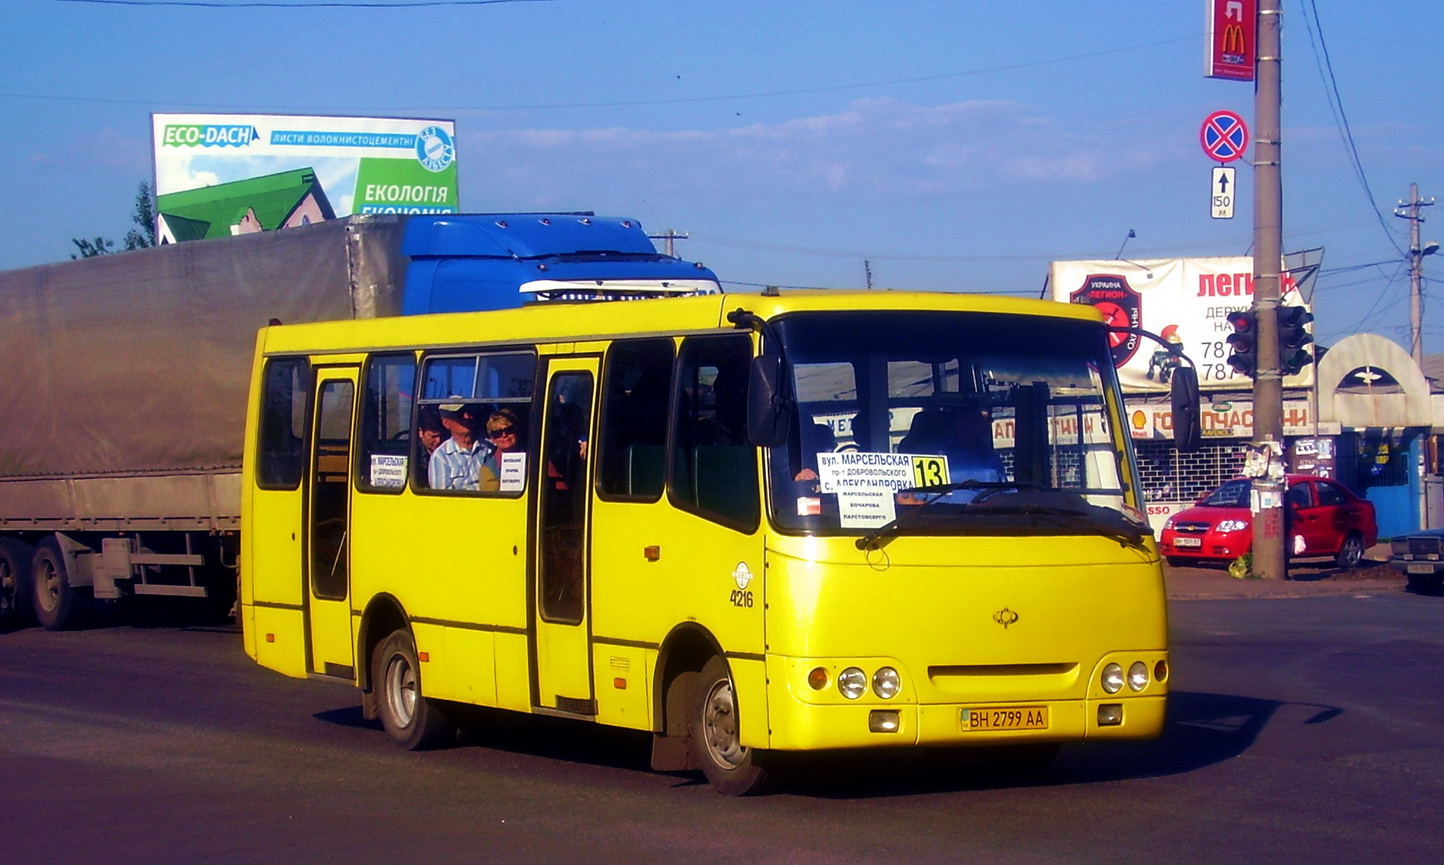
(1142, 423)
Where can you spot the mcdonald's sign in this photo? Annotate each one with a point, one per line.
(1230, 48)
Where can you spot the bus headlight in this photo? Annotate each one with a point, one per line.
(886, 683)
(1112, 678)
(852, 682)
(1138, 676)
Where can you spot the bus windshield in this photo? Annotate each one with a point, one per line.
(943, 423)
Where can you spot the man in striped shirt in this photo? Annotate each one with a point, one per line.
(456, 464)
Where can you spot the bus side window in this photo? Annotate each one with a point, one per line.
(714, 467)
(281, 451)
(634, 419)
(386, 428)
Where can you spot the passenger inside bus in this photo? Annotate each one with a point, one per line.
(817, 438)
(456, 463)
(430, 433)
(963, 434)
(503, 431)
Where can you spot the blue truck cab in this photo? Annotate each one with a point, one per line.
(482, 261)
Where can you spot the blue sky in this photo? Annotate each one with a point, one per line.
(952, 145)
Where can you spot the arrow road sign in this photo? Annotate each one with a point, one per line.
(1221, 192)
(1224, 136)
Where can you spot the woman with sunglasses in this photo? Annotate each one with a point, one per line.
(503, 431)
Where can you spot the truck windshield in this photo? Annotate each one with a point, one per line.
(912, 423)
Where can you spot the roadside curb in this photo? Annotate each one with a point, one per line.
(1374, 578)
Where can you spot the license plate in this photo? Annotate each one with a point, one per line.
(1188, 542)
(1419, 569)
(1003, 718)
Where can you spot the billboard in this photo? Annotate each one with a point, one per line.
(1230, 39)
(221, 174)
(1183, 300)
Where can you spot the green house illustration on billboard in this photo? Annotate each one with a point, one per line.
(282, 200)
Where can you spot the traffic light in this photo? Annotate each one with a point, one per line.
(1244, 342)
(1293, 357)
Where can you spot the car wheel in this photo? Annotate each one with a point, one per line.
(1351, 553)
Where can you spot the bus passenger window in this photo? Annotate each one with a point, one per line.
(462, 393)
(634, 419)
(281, 455)
(386, 432)
(714, 467)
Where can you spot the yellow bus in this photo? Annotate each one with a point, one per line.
(749, 524)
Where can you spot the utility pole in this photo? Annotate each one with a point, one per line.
(1410, 210)
(1270, 559)
(867, 273)
(668, 238)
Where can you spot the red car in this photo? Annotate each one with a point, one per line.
(1323, 519)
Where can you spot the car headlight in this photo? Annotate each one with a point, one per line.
(1168, 524)
(886, 683)
(1138, 676)
(1399, 546)
(852, 682)
(1231, 526)
(1112, 678)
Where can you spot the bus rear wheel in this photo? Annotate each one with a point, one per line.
(412, 720)
(731, 767)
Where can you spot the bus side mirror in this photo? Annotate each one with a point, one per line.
(1185, 405)
(768, 413)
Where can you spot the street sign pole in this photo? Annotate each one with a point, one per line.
(1270, 559)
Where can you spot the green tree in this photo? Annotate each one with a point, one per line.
(143, 216)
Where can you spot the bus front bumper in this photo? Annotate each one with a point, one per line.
(798, 726)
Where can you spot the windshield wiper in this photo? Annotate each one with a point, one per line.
(1131, 536)
(1113, 530)
(875, 539)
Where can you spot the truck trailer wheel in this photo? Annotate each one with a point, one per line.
(56, 601)
(14, 579)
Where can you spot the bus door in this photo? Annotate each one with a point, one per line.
(328, 518)
(563, 679)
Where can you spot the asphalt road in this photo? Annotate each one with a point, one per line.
(1301, 730)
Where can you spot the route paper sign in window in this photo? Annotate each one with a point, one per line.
(866, 484)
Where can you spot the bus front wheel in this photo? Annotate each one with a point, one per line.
(411, 720)
(731, 767)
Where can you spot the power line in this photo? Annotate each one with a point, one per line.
(324, 4)
(1341, 119)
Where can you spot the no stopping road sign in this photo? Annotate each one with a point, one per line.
(1224, 136)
